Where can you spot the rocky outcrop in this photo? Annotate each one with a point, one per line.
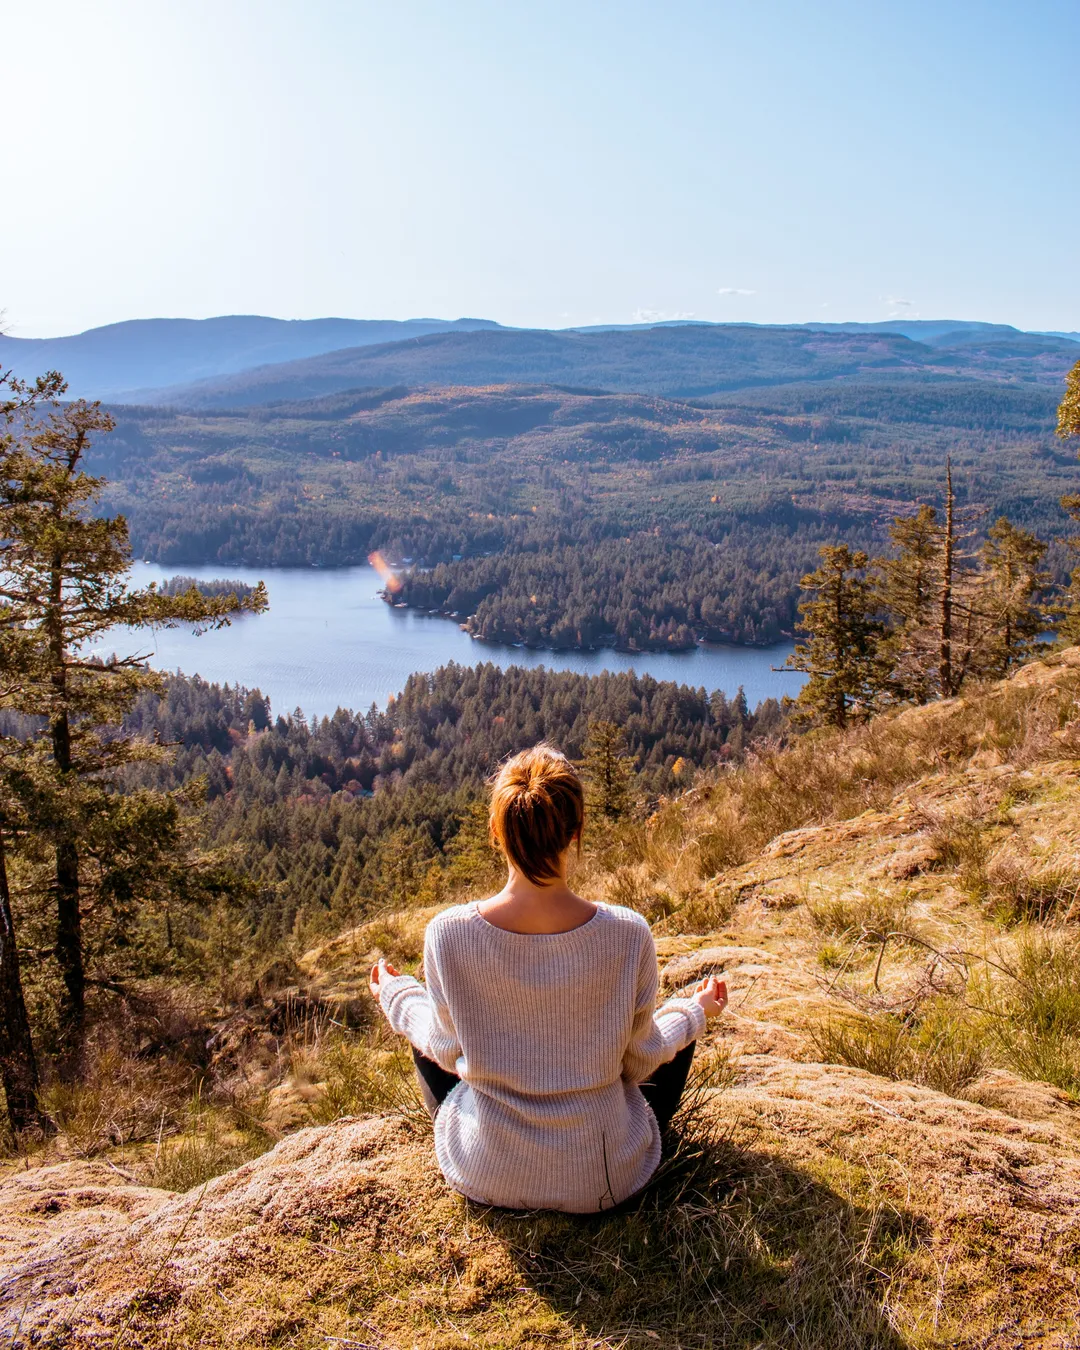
(355, 1215)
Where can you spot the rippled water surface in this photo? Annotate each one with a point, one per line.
(328, 641)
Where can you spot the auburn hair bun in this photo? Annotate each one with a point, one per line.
(537, 810)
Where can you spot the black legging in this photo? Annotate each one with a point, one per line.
(662, 1091)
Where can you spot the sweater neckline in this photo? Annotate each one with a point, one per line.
(474, 911)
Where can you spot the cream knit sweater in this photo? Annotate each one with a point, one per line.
(550, 1035)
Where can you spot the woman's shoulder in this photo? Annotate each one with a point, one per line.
(453, 917)
(626, 919)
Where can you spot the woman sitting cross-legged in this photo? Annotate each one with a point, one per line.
(549, 1070)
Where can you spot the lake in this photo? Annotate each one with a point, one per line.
(328, 641)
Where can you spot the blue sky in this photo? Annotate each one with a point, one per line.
(541, 163)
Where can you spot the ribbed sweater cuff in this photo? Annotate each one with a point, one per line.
(692, 1011)
(394, 994)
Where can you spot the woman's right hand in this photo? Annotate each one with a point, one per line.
(711, 996)
(378, 972)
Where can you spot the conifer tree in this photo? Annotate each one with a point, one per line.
(948, 683)
(18, 1060)
(63, 585)
(906, 588)
(959, 621)
(607, 769)
(1009, 601)
(841, 654)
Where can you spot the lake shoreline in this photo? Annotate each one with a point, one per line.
(329, 641)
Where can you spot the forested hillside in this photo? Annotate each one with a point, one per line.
(337, 818)
(681, 361)
(555, 517)
(120, 359)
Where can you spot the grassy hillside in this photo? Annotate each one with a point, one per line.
(881, 1148)
(683, 361)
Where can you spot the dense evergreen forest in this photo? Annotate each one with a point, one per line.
(568, 518)
(340, 817)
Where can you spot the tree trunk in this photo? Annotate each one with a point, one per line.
(945, 664)
(18, 1064)
(69, 953)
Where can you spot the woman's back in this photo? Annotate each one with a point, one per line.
(538, 1024)
(550, 1034)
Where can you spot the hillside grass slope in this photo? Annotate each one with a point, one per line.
(881, 1147)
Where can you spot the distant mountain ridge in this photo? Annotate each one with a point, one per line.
(680, 361)
(242, 360)
(120, 360)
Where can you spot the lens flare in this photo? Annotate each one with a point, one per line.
(389, 578)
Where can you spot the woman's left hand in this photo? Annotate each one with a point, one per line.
(378, 973)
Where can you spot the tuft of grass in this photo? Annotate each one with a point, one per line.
(400, 942)
(633, 887)
(1032, 1012)
(365, 1075)
(1021, 889)
(873, 916)
(120, 1099)
(941, 1047)
(960, 841)
(214, 1140)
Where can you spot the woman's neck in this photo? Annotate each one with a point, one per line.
(524, 907)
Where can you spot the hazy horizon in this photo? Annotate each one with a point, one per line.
(8, 330)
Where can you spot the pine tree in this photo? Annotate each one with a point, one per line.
(905, 590)
(1015, 619)
(841, 655)
(607, 770)
(64, 584)
(947, 679)
(959, 622)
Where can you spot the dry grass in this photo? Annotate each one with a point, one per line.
(213, 1140)
(365, 1074)
(941, 1047)
(1031, 1006)
(120, 1100)
(829, 776)
(872, 916)
(1022, 889)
